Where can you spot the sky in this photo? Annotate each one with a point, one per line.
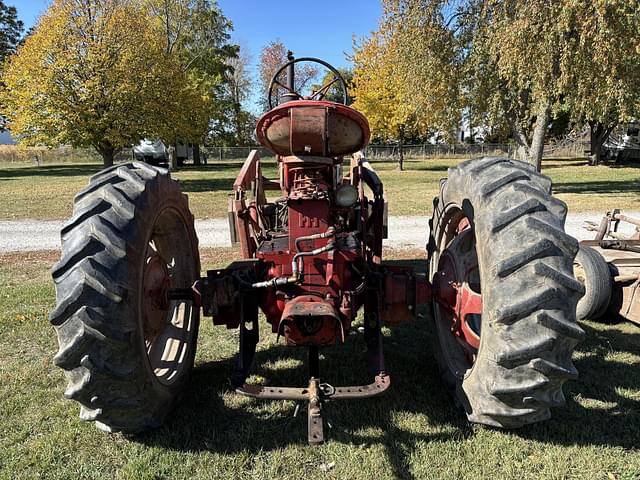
(323, 29)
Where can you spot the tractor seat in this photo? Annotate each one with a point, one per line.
(307, 128)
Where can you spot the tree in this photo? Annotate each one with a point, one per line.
(512, 62)
(334, 94)
(378, 91)
(196, 36)
(10, 30)
(237, 127)
(92, 73)
(238, 88)
(602, 88)
(391, 84)
(552, 57)
(274, 56)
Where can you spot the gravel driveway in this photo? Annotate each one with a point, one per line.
(404, 232)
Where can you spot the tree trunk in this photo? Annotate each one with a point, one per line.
(173, 158)
(531, 153)
(598, 134)
(107, 152)
(400, 151)
(237, 123)
(196, 154)
(522, 149)
(522, 153)
(539, 133)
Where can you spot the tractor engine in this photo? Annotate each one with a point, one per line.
(310, 240)
(312, 236)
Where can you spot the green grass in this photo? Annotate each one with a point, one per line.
(412, 432)
(47, 192)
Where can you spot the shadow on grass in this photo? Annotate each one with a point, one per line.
(206, 184)
(548, 165)
(426, 167)
(597, 411)
(225, 165)
(623, 164)
(205, 422)
(383, 167)
(610, 186)
(69, 170)
(76, 169)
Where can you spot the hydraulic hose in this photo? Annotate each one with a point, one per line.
(297, 268)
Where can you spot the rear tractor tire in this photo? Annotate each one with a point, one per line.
(504, 292)
(126, 349)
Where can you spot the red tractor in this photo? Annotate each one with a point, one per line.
(500, 281)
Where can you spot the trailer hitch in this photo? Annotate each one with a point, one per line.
(316, 393)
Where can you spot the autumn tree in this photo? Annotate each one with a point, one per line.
(274, 56)
(90, 74)
(515, 62)
(602, 87)
(395, 79)
(532, 61)
(196, 38)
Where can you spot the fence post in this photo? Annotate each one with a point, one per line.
(220, 154)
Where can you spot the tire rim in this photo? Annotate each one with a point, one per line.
(168, 326)
(457, 292)
(579, 273)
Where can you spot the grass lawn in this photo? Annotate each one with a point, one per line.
(46, 192)
(412, 432)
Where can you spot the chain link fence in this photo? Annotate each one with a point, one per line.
(42, 155)
(428, 151)
(382, 153)
(216, 154)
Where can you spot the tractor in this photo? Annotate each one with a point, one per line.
(500, 281)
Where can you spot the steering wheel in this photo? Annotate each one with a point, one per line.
(318, 95)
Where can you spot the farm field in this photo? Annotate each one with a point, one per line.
(413, 431)
(46, 192)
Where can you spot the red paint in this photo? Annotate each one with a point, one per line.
(308, 179)
(313, 127)
(453, 290)
(310, 320)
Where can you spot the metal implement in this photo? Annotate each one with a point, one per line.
(621, 250)
(316, 393)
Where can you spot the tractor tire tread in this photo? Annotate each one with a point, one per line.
(529, 292)
(94, 317)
